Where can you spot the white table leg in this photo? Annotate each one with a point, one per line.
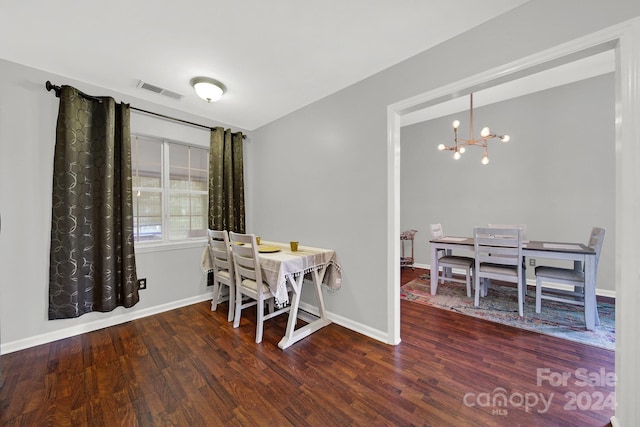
(590, 292)
(293, 335)
(434, 269)
(318, 277)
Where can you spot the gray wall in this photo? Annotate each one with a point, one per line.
(318, 175)
(557, 175)
(327, 162)
(27, 136)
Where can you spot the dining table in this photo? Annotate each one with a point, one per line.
(576, 252)
(284, 268)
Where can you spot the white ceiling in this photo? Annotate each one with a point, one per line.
(274, 56)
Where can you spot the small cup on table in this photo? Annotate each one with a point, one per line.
(257, 240)
(294, 246)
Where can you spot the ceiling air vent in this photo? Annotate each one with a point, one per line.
(161, 91)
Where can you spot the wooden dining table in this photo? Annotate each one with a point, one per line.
(281, 266)
(576, 252)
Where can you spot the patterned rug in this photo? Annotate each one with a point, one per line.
(501, 306)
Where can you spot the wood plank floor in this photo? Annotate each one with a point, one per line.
(189, 367)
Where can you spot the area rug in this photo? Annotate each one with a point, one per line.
(501, 305)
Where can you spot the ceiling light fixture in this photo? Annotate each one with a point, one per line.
(485, 135)
(207, 88)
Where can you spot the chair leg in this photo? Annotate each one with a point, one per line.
(520, 300)
(478, 285)
(469, 282)
(538, 294)
(597, 315)
(216, 295)
(524, 291)
(232, 300)
(236, 318)
(260, 320)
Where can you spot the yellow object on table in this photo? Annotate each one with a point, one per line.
(268, 248)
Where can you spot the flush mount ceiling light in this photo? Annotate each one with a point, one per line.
(207, 88)
(459, 144)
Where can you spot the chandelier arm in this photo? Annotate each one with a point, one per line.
(478, 142)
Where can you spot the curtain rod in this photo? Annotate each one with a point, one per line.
(56, 89)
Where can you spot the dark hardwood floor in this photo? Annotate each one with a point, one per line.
(189, 367)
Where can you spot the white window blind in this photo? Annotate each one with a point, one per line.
(170, 182)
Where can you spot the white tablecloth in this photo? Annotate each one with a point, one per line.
(277, 266)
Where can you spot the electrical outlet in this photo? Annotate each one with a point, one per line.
(142, 284)
(532, 262)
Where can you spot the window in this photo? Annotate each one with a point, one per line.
(170, 186)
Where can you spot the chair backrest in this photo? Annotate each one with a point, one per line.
(436, 231)
(245, 258)
(498, 245)
(523, 227)
(595, 241)
(221, 252)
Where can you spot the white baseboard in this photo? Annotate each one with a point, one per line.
(12, 346)
(532, 282)
(348, 323)
(17, 345)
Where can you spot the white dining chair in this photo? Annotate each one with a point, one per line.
(223, 271)
(573, 277)
(448, 262)
(250, 288)
(498, 255)
(522, 227)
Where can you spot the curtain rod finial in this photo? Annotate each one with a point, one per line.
(50, 86)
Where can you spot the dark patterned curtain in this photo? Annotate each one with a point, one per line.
(93, 264)
(226, 181)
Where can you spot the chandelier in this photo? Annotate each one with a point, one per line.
(485, 135)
